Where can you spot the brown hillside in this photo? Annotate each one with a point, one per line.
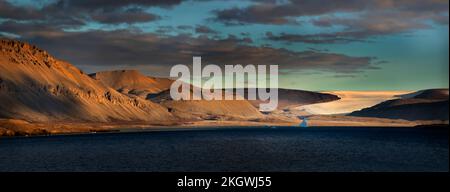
(34, 86)
(132, 81)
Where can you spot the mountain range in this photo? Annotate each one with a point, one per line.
(36, 87)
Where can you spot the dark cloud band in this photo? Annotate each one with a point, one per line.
(132, 48)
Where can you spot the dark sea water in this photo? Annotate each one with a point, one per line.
(234, 149)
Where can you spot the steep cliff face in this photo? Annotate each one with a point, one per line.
(35, 86)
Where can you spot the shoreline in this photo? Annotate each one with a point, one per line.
(184, 128)
(21, 128)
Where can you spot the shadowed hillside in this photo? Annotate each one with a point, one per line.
(288, 98)
(429, 104)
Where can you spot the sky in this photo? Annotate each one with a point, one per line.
(318, 44)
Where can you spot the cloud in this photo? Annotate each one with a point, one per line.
(112, 5)
(137, 48)
(31, 29)
(344, 76)
(273, 12)
(262, 14)
(205, 30)
(318, 50)
(184, 27)
(162, 30)
(128, 16)
(313, 39)
(7, 10)
(362, 29)
(369, 19)
(75, 13)
(46, 27)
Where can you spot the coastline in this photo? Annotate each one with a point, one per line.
(42, 129)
